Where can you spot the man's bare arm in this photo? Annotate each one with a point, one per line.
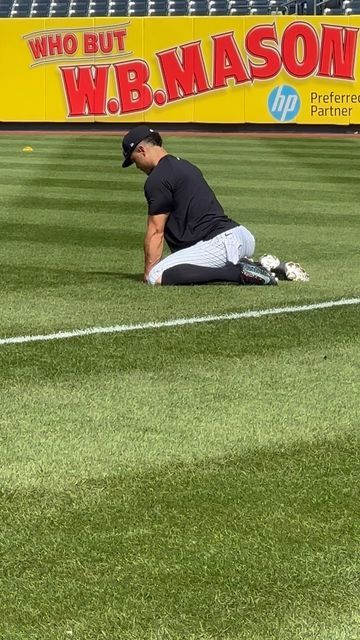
(154, 241)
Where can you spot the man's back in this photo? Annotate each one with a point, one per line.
(177, 187)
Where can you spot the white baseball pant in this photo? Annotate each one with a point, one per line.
(228, 247)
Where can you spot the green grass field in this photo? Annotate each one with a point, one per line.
(189, 483)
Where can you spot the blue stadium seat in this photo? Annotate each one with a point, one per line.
(79, 8)
(277, 7)
(137, 8)
(98, 8)
(335, 11)
(59, 8)
(178, 8)
(351, 7)
(218, 7)
(198, 8)
(40, 8)
(20, 9)
(118, 7)
(239, 7)
(5, 8)
(259, 7)
(157, 8)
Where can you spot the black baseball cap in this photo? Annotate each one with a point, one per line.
(131, 139)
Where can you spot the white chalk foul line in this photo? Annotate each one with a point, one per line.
(178, 322)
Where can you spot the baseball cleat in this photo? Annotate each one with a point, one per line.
(255, 274)
(284, 270)
(293, 271)
(269, 262)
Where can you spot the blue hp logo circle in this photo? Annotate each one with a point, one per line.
(284, 103)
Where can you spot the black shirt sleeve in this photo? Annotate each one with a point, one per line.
(159, 195)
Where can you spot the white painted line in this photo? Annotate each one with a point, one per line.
(179, 322)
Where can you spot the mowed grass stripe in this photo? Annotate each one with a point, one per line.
(113, 192)
(237, 207)
(69, 149)
(114, 166)
(296, 171)
(92, 142)
(116, 157)
(114, 183)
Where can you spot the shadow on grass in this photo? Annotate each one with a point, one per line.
(137, 277)
(32, 277)
(70, 235)
(238, 547)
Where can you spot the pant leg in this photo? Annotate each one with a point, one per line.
(239, 243)
(229, 246)
(202, 254)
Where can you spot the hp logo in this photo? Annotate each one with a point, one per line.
(284, 103)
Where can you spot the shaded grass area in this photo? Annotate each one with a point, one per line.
(245, 546)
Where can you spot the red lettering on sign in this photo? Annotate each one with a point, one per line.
(227, 61)
(70, 43)
(300, 33)
(55, 45)
(257, 46)
(39, 47)
(91, 43)
(119, 36)
(85, 89)
(338, 52)
(135, 93)
(183, 71)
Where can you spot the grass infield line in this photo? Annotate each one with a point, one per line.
(178, 322)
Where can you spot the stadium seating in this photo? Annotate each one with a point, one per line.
(157, 8)
(5, 8)
(178, 8)
(218, 7)
(351, 6)
(59, 8)
(118, 8)
(21, 9)
(198, 8)
(137, 8)
(98, 8)
(40, 8)
(259, 6)
(133, 8)
(239, 7)
(79, 8)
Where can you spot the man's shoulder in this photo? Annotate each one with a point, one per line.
(163, 170)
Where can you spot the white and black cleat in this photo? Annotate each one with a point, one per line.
(284, 270)
(294, 271)
(269, 262)
(252, 273)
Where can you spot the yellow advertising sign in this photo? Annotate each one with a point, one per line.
(265, 69)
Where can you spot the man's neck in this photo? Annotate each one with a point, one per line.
(159, 153)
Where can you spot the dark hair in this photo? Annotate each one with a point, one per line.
(154, 138)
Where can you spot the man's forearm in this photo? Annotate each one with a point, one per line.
(153, 248)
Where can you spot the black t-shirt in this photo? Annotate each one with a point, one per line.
(177, 187)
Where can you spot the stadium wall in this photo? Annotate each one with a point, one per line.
(231, 70)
